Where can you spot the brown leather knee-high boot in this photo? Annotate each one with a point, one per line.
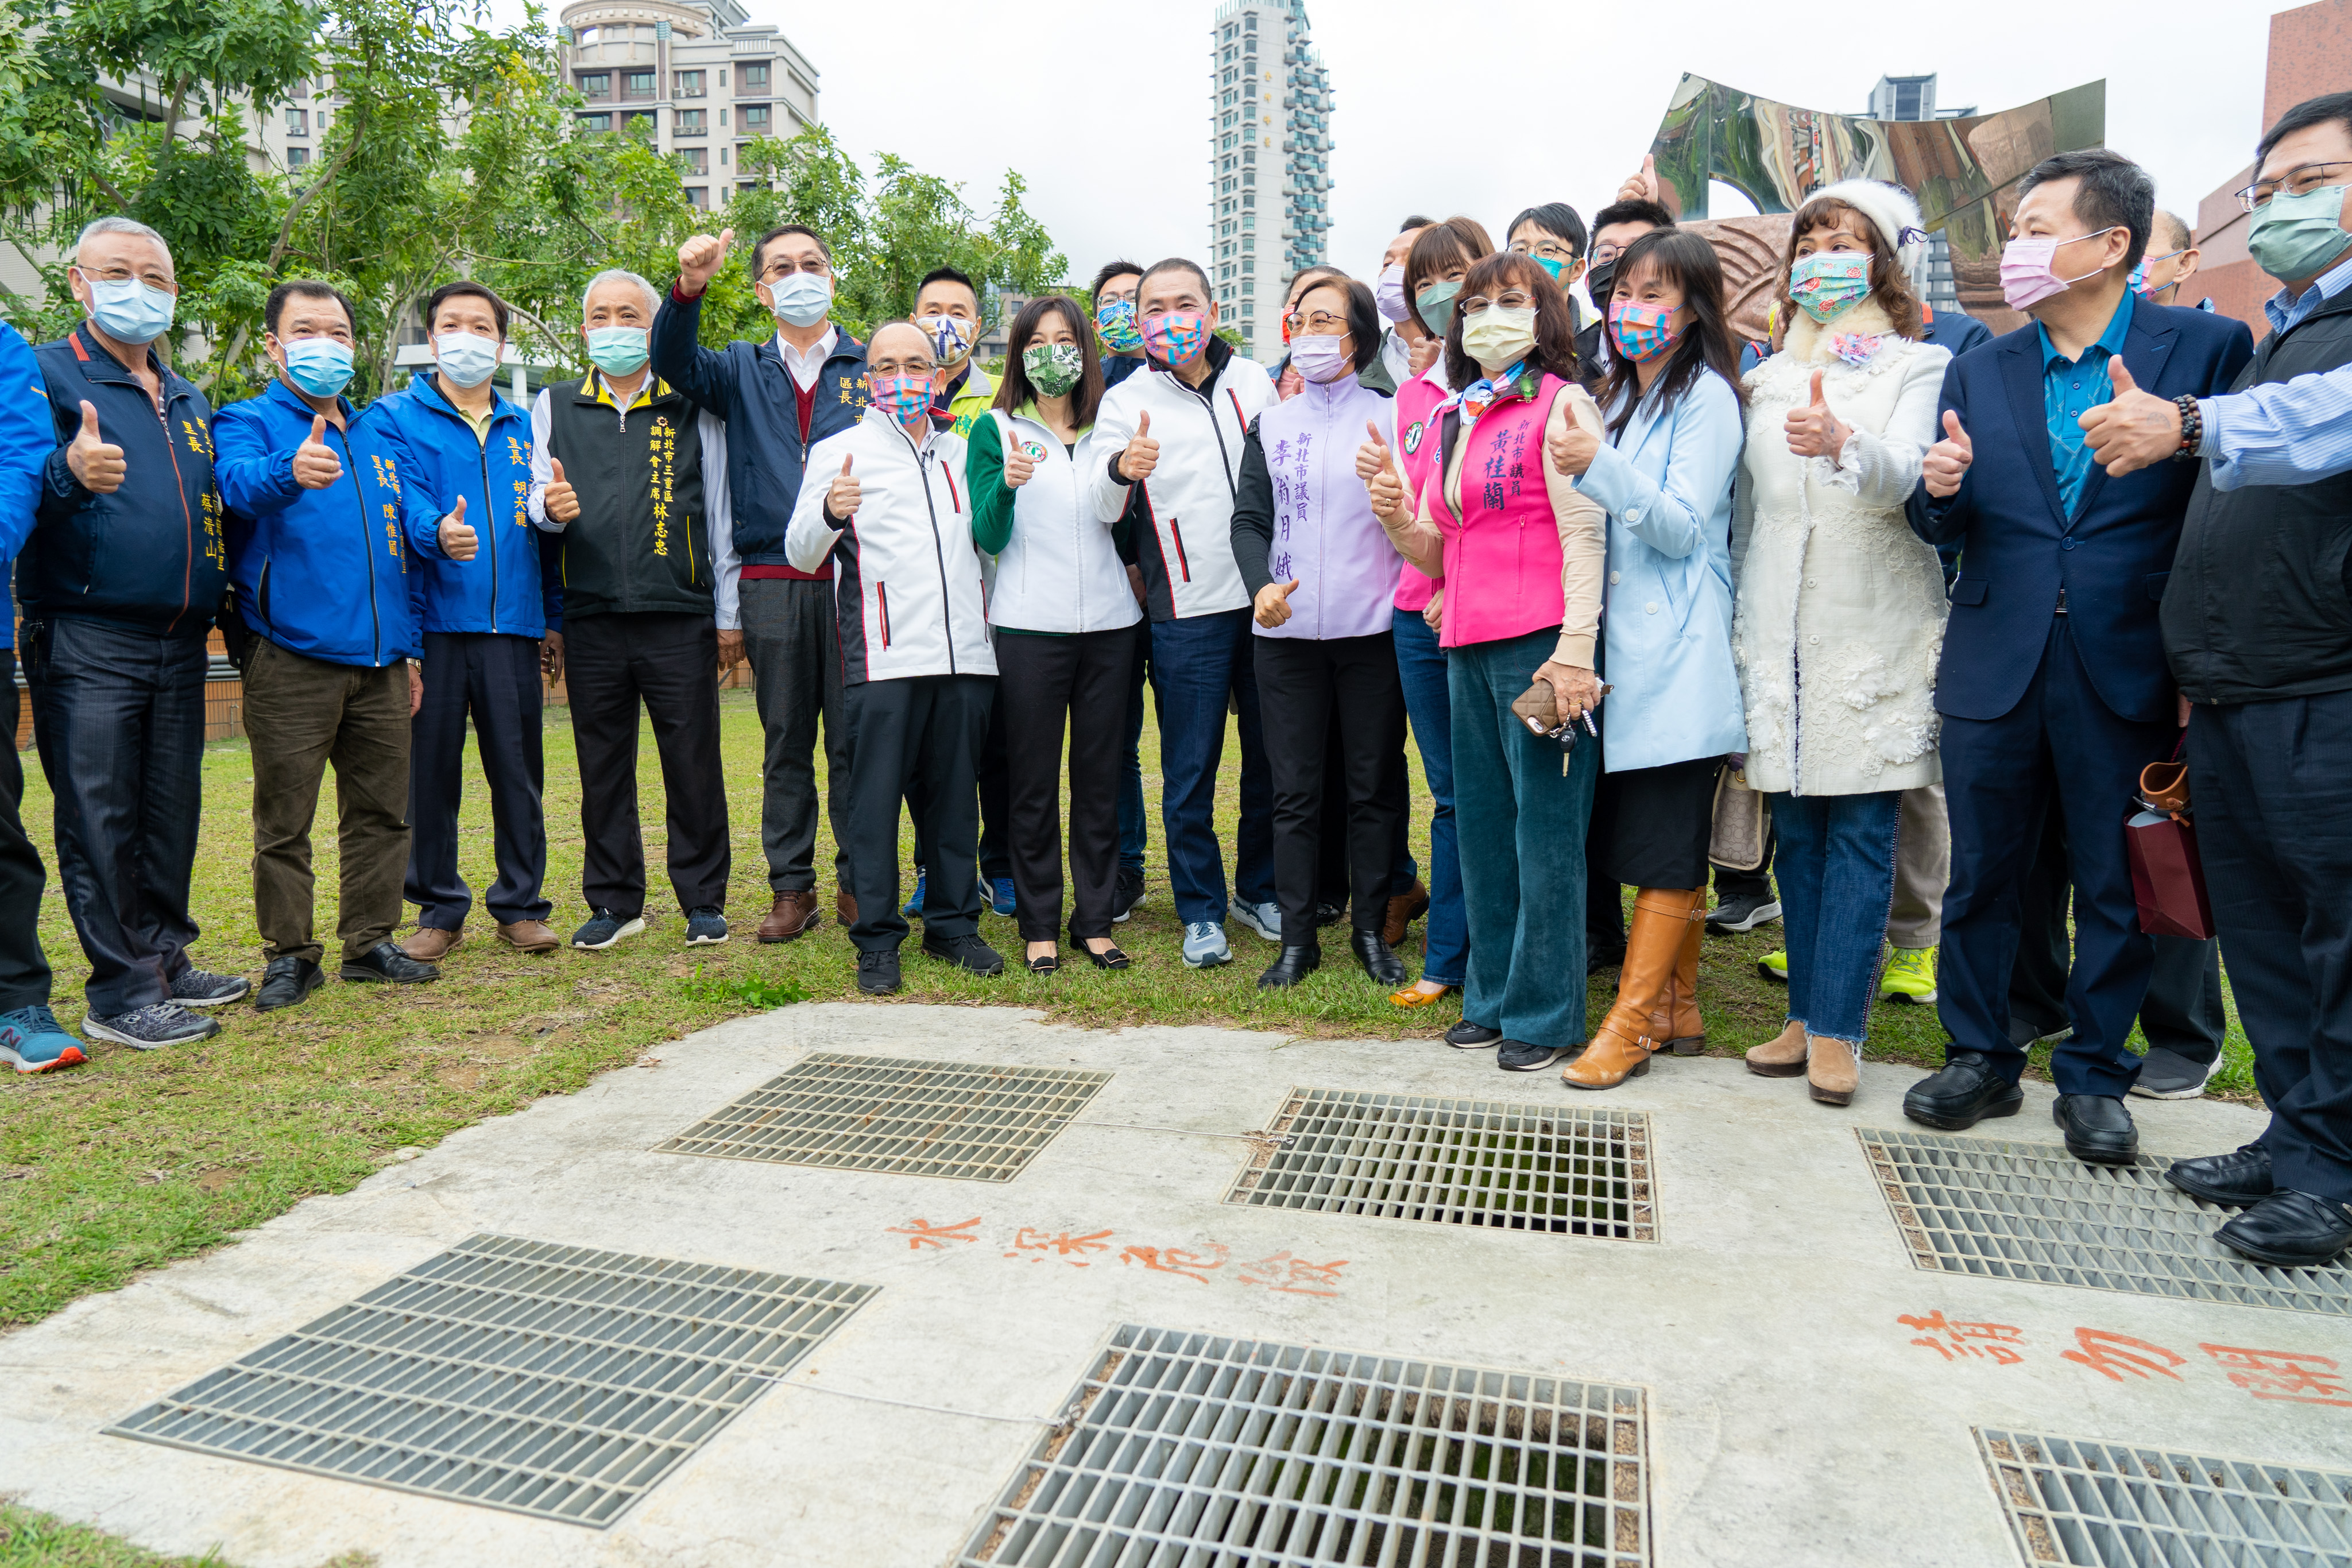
(1677, 1023)
(1620, 1047)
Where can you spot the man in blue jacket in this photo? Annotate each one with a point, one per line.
(468, 454)
(30, 1038)
(322, 536)
(119, 583)
(2053, 688)
(780, 397)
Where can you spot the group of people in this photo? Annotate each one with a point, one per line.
(1938, 596)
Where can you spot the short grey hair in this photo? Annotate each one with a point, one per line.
(121, 226)
(621, 274)
(2177, 235)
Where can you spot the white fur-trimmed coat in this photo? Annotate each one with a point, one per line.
(1841, 606)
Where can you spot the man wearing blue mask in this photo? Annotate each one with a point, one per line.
(119, 583)
(468, 451)
(780, 397)
(323, 536)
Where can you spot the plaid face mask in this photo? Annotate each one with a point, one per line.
(1177, 337)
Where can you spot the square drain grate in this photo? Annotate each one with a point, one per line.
(893, 1114)
(553, 1381)
(1457, 1161)
(2031, 1211)
(1189, 1448)
(2115, 1505)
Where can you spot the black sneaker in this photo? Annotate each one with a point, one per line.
(1127, 895)
(877, 972)
(1518, 1056)
(285, 983)
(1742, 912)
(387, 963)
(604, 928)
(967, 953)
(202, 988)
(151, 1028)
(706, 925)
(1468, 1035)
(2166, 1074)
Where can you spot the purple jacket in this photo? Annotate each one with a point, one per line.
(1300, 512)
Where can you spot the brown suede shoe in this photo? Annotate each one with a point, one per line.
(1404, 909)
(530, 936)
(1832, 1069)
(794, 915)
(1782, 1056)
(844, 908)
(431, 942)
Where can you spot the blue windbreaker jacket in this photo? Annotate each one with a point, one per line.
(322, 573)
(505, 588)
(25, 447)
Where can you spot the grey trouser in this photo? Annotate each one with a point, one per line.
(795, 653)
(1922, 867)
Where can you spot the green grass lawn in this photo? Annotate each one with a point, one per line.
(138, 1158)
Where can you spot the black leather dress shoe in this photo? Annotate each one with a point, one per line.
(1293, 966)
(1378, 959)
(386, 962)
(1965, 1093)
(2237, 1178)
(2290, 1229)
(2099, 1128)
(1468, 1035)
(286, 982)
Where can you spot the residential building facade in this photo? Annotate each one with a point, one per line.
(1269, 161)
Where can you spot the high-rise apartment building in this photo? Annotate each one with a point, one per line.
(699, 72)
(1269, 161)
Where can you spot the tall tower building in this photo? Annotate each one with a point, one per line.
(1914, 97)
(1269, 161)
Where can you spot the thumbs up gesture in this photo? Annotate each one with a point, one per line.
(2134, 429)
(699, 259)
(1642, 185)
(457, 539)
(1813, 430)
(1273, 602)
(1947, 461)
(560, 500)
(1142, 454)
(841, 497)
(1376, 466)
(316, 466)
(95, 462)
(1018, 466)
(1373, 454)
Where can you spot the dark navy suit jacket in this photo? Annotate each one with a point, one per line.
(2018, 549)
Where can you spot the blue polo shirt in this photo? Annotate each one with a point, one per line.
(2072, 388)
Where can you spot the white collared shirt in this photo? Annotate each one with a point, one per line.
(804, 367)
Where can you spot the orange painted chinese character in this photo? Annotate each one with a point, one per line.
(1996, 1342)
(1038, 1246)
(922, 1233)
(2296, 1376)
(2112, 1355)
(1293, 1276)
(1175, 1261)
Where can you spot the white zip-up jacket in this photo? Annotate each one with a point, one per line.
(1059, 569)
(1187, 558)
(906, 593)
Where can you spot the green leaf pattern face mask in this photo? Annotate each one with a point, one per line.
(2298, 236)
(1052, 368)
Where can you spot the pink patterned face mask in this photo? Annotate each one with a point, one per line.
(903, 398)
(1642, 331)
(2029, 271)
(1175, 338)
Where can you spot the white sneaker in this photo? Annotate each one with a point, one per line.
(1266, 919)
(1204, 945)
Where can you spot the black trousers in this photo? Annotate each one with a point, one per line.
(995, 807)
(794, 649)
(2271, 782)
(918, 737)
(670, 664)
(119, 714)
(1301, 683)
(1044, 685)
(493, 678)
(23, 968)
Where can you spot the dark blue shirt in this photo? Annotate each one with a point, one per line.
(2072, 388)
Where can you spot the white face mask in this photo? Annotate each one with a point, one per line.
(801, 299)
(465, 358)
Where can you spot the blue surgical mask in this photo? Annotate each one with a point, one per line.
(465, 358)
(617, 350)
(1552, 265)
(131, 311)
(803, 298)
(320, 366)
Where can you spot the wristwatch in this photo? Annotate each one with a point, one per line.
(2193, 428)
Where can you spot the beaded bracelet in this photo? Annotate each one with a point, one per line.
(2192, 427)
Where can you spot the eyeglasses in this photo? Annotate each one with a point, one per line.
(1603, 255)
(1549, 249)
(1321, 323)
(1509, 299)
(120, 274)
(2299, 181)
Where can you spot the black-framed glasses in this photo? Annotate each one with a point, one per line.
(2296, 181)
(1548, 248)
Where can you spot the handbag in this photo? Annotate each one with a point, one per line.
(2167, 879)
(1743, 822)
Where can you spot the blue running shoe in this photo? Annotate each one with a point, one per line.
(32, 1039)
(913, 908)
(1003, 903)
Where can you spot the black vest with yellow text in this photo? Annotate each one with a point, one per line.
(642, 540)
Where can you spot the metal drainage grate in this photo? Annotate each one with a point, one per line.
(2109, 1505)
(553, 1381)
(2031, 1211)
(1188, 1448)
(896, 1114)
(1457, 1161)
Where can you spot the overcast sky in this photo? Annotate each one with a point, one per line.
(1480, 109)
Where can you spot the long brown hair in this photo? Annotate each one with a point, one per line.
(1014, 390)
(1890, 284)
(1555, 349)
(1456, 242)
(1684, 259)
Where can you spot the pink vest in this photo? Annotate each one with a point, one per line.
(1417, 449)
(1502, 550)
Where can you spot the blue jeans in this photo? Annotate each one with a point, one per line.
(1421, 663)
(1134, 827)
(1198, 664)
(1521, 808)
(1836, 866)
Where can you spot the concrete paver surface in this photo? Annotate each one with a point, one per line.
(1806, 1402)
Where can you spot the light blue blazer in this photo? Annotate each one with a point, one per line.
(1665, 618)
